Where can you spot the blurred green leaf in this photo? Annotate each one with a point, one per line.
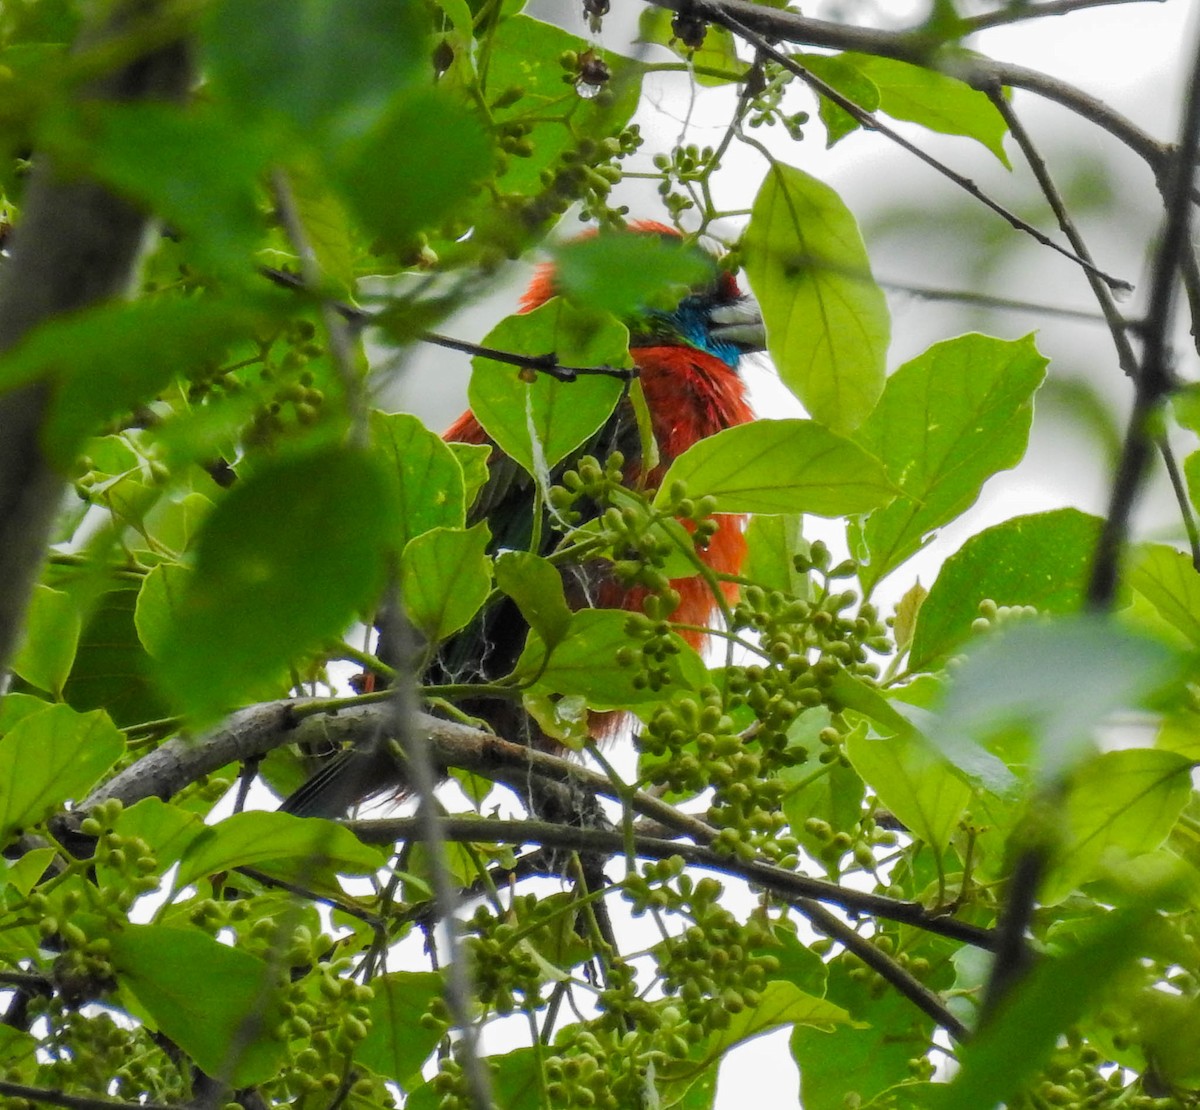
(827, 321)
(196, 169)
(626, 273)
(1009, 690)
(49, 639)
(106, 360)
(416, 168)
(328, 69)
(158, 604)
(947, 421)
(285, 561)
(780, 466)
(1010, 1050)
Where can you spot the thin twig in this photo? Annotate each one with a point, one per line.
(46, 1097)
(547, 364)
(1117, 325)
(1002, 17)
(1155, 379)
(981, 73)
(987, 300)
(780, 881)
(872, 122)
(460, 992)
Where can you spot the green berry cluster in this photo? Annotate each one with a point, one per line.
(863, 841)
(1077, 1078)
(685, 166)
(712, 967)
(766, 109)
(992, 615)
(507, 974)
(89, 1052)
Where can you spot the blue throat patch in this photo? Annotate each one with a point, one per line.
(689, 322)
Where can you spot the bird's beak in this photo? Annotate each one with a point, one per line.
(740, 323)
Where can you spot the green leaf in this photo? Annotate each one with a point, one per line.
(585, 663)
(781, 1003)
(49, 640)
(1167, 579)
(167, 829)
(1012, 1048)
(217, 1003)
(947, 421)
(425, 472)
(1118, 806)
(158, 605)
(914, 781)
(625, 273)
(1041, 560)
(107, 359)
(835, 796)
(858, 1060)
(851, 82)
(539, 423)
(780, 466)
(49, 758)
(192, 166)
(329, 70)
(285, 561)
(772, 543)
(1008, 694)
(934, 100)
(444, 578)
(396, 192)
(537, 587)
(296, 848)
(112, 670)
(397, 1044)
(827, 321)
(473, 458)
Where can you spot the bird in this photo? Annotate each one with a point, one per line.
(687, 359)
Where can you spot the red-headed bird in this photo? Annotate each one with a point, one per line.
(687, 361)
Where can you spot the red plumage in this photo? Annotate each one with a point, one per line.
(691, 395)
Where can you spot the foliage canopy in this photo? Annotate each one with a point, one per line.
(910, 837)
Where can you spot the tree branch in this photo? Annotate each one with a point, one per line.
(75, 245)
(1155, 378)
(1003, 17)
(786, 884)
(975, 70)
